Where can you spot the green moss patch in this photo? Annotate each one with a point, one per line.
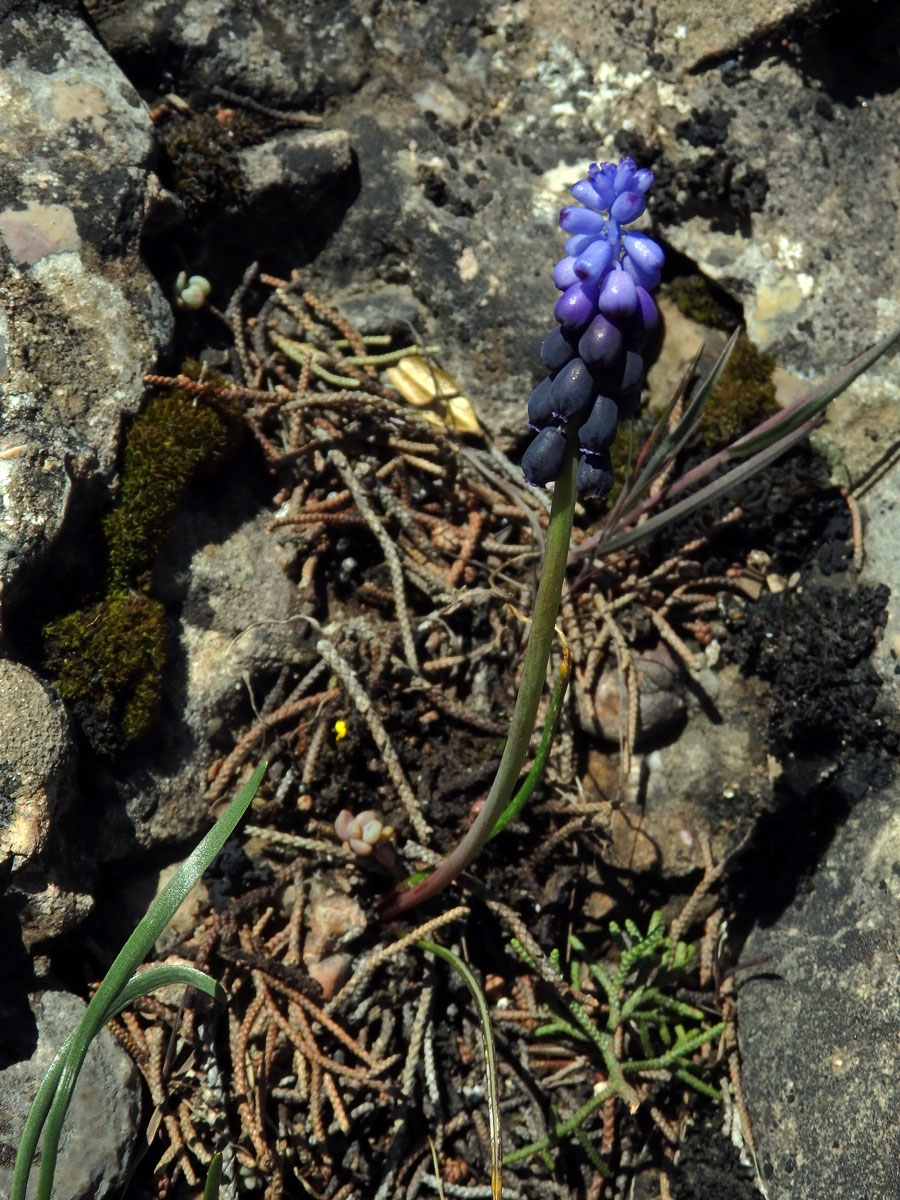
(107, 659)
(203, 156)
(174, 439)
(693, 297)
(744, 396)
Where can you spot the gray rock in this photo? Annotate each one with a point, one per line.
(468, 128)
(302, 163)
(706, 786)
(661, 705)
(36, 795)
(766, 208)
(36, 764)
(289, 52)
(81, 319)
(223, 574)
(467, 125)
(464, 170)
(707, 30)
(101, 1125)
(819, 1025)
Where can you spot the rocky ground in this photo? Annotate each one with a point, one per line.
(197, 575)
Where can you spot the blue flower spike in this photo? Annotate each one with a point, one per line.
(605, 317)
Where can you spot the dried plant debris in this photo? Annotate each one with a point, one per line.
(414, 547)
(334, 1070)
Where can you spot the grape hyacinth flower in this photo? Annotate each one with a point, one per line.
(606, 315)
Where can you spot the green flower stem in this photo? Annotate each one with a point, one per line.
(534, 776)
(534, 671)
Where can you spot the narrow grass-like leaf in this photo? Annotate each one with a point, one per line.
(673, 443)
(34, 1123)
(813, 402)
(68, 1063)
(720, 487)
(764, 444)
(157, 977)
(635, 481)
(213, 1178)
(534, 672)
(463, 970)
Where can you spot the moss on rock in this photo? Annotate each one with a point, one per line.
(744, 396)
(203, 156)
(693, 297)
(107, 659)
(172, 440)
(107, 662)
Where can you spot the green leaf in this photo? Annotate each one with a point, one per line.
(55, 1093)
(157, 977)
(463, 970)
(213, 1178)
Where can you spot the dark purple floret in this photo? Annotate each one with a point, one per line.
(594, 477)
(601, 343)
(576, 306)
(645, 279)
(543, 460)
(540, 406)
(647, 309)
(600, 428)
(630, 372)
(556, 349)
(564, 274)
(643, 321)
(618, 296)
(572, 390)
(629, 403)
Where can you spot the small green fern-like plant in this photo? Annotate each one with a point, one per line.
(639, 1011)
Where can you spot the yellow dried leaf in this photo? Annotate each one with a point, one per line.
(460, 416)
(409, 387)
(422, 384)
